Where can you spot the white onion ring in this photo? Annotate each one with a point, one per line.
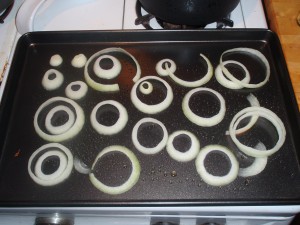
(52, 84)
(62, 165)
(203, 121)
(74, 130)
(258, 165)
(261, 112)
(79, 61)
(133, 178)
(228, 83)
(61, 128)
(107, 73)
(115, 128)
(56, 60)
(62, 173)
(76, 94)
(254, 52)
(142, 148)
(197, 83)
(151, 109)
(148, 90)
(179, 156)
(163, 71)
(109, 87)
(217, 180)
(80, 166)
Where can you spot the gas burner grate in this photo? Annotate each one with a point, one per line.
(5, 13)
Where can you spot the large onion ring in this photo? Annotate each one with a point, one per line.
(116, 127)
(76, 94)
(74, 130)
(52, 84)
(216, 180)
(62, 173)
(111, 73)
(254, 52)
(151, 109)
(188, 155)
(109, 87)
(164, 71)
(261, 112)
(202, 121)
(61, 128)
(228, 83)
(258, 165)
(142, 148)
(133, 178)
(197, 83)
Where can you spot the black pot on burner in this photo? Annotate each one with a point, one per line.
(190, 12)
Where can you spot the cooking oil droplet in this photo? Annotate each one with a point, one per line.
(171, 182)
(152, 171)
(247, 182)
(165, 173)
(124, 166)
(173, 173)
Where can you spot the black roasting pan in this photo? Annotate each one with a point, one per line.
(162, 180)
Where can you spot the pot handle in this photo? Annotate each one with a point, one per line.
(26, 14)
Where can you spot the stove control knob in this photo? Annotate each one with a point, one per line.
(54, 220)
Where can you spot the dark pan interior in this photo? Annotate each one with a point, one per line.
(162, 180)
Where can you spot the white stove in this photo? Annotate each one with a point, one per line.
(46, 15)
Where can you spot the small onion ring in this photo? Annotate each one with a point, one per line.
(228, 83)
(115, 128)
(79, 61)
(151, 109)
(261, 112)
(258, 165)
(80, 166)
(56, 60)
(179, 156)
(74, 130)
(61, 128)
(142, 148)
(133, 178)
(216, 180)
(78, 94)
(202, 121)
(52, 84)
(254, 52)
(107, 73)
(55, 178)
(109, 87)
(148, 90)
(165, 72)
(209, 74)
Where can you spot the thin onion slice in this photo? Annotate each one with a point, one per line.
(117, 126)
(193, 84)
(80, 166)
(228, 83)
(149, 150)
(111, 73)
(203, 121)
(155, 108)
(164, 71)
(133, 178)
(50, 83)
(254, 52)
(258, 165)
(79, 61)
(212, 179)
(188, 155)
(62, 172)
(61, 128)
(78, 93)
(74, 130)
(109, 87)
(261, 112)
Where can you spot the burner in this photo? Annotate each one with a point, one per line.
(5, 13)
(144, 19)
